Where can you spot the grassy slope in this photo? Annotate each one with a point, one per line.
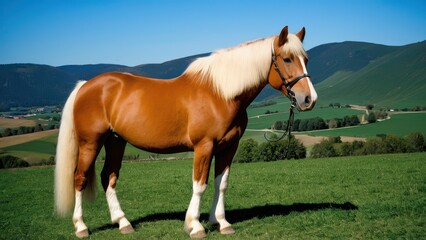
(399, 124)
(381, 82)
(366, 197)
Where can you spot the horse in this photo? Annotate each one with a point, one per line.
(203, 110)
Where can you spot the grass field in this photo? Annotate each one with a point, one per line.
(399, 124)
(368, 197)
(259, 120)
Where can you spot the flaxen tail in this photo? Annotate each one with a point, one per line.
(66, 157)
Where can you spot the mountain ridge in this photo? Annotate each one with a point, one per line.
(341, 72)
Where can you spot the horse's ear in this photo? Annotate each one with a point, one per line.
(301, 34)
(283, 36)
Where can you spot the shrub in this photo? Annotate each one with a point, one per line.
(345, 149)
(374, 146)
(395, 144)
(250, 151)
(247, 151)
(371, 118)
(415, 142)
(381, 144)
(323, 149)
(9, 161)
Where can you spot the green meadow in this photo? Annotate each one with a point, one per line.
(398, 124)
(365, 197)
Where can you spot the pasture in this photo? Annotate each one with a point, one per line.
(37, 146)
(366, 197)
(399, 124)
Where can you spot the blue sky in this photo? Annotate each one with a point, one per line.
(56, 32)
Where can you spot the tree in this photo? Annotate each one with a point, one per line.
(374, 146)
(22, 130)
(371, 118)
(247, 151)
(332, 123)
(323, 149)
(345, 149)
(369, 106)
(303, 125)
(278, 125)
(295, 150)
(266, 152)
(354, 120)
(9, 161)
(415, 142)
(7, 132)
(38, 128)
(295, 126)
(395, 144)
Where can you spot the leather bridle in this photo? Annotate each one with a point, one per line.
(288, 84)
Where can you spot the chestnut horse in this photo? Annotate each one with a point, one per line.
(203, 110)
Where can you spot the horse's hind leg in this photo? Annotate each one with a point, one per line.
(84, 177)
(114, 148)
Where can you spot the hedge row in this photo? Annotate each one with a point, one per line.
(333, 146)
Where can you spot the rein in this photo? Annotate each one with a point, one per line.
(288, 85)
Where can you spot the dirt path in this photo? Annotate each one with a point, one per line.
(13, 140)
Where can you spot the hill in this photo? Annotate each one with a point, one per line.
(395, 79)
(32, 84)
(35, 84)
(347, 72)
(327, 59)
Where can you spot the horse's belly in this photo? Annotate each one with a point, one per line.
(158, 141)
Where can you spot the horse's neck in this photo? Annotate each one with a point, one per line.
(248, 96)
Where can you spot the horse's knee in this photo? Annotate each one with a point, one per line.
(108, 179)
(80, 182)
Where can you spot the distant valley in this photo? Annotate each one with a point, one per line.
(348, 73)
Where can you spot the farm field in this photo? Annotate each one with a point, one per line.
(259, 120)
(14, 123)
(365, 197)
(399, 124)
(38, 146)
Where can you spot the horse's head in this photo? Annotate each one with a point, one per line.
(288, 70)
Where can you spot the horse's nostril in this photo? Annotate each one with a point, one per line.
(308, 99)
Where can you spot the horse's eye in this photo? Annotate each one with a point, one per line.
(287, 60)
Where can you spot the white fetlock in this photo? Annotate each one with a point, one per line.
(125, 226)
(81, 230)
(195, 229)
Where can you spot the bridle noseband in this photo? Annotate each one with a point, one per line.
(288, 85)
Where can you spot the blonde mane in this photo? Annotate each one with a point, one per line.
(232, 71)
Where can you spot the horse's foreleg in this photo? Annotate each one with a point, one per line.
(114, 148)
(200, 175)
(222, 166)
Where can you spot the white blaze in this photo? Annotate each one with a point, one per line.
(314, 95)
